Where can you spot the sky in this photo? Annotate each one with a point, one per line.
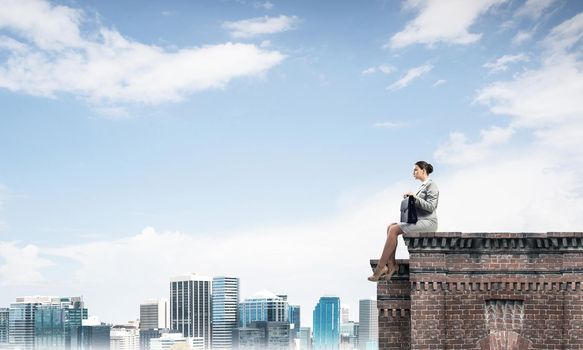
(273, 140)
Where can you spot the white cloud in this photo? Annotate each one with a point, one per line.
(411, 75)
(521, 37)
(565, 36)
(47, 55)
(390, 125)
(21, 266)
(549, 95)
(501, 64)
(533, 184)
(458, 150)
(49, 27)
(261, 25)
(264, 5)
(439, 82)
(438, 22)
(533, 9)
(520, 191)
(383, 68)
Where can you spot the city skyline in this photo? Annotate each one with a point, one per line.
(272, 140)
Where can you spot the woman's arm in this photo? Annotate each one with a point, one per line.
(429, 203)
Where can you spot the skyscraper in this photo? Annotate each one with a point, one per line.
(225, 311)
(55, 322)
(190, 306)
(4, 317)
(263, 306)
(327, 324)
(44, 322)
(92, 335)
(294, 319)
(368, 329)
(344, 314)
(305, 338)
(154, 313)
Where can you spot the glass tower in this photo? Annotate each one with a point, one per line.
(326, 319)
(264, 306)
(294, 318)
(190, 306)
(225, 311)
(368, 329)
(4, 317)
(55, 322)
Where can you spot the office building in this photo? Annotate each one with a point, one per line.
(148, 334)
(124, 337)
(155, 314)
(263, 335)
(55, 322)
(368, 320)
(294, 320)
(344, 314)
(169, 341)
(4, 323)
(225, 302)
(190, 306)
(326, 319)
(44, 322)
(349, 335)
(92, 335)
(263, 306)
(248, 338)
(305, 338)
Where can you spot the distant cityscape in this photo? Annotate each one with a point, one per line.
(200, 313)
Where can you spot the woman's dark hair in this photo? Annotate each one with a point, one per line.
(425, 166)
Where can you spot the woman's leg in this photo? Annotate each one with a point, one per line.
(388, 255)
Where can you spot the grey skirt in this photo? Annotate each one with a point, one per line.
(422, 225)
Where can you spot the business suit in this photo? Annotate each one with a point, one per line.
(426, 200)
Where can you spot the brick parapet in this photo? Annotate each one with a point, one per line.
(447, 293)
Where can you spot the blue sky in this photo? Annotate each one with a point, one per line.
(271, 140)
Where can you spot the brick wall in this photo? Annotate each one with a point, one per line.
(485, 291)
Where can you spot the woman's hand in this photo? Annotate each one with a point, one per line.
(407, 194)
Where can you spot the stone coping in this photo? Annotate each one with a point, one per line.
(493, 235)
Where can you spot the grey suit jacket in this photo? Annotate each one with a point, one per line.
(426, 201)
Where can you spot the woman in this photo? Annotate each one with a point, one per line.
(426, 199)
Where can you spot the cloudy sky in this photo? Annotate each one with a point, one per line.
(272, 140)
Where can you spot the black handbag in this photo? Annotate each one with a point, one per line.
(411, 211)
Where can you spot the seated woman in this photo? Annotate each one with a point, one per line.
(426, 199)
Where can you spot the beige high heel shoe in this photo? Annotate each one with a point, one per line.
(378, 273)
(391, 271)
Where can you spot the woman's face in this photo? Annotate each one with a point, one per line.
(418, 173)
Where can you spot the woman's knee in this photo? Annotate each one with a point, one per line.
(395, 230)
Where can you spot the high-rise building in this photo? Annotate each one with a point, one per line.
(349, 335)
(21, 321)
(225, 297)
(263, 306)
(44, 322)
(305, 338)
(55, 322)
(263, 335)
(326, 319)
(4, 323)
(190, 306)
(146, 335)
(368, 329)
(154, 313)
(344, 314)
(124, 337)
(92, 335)
(294, 319)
